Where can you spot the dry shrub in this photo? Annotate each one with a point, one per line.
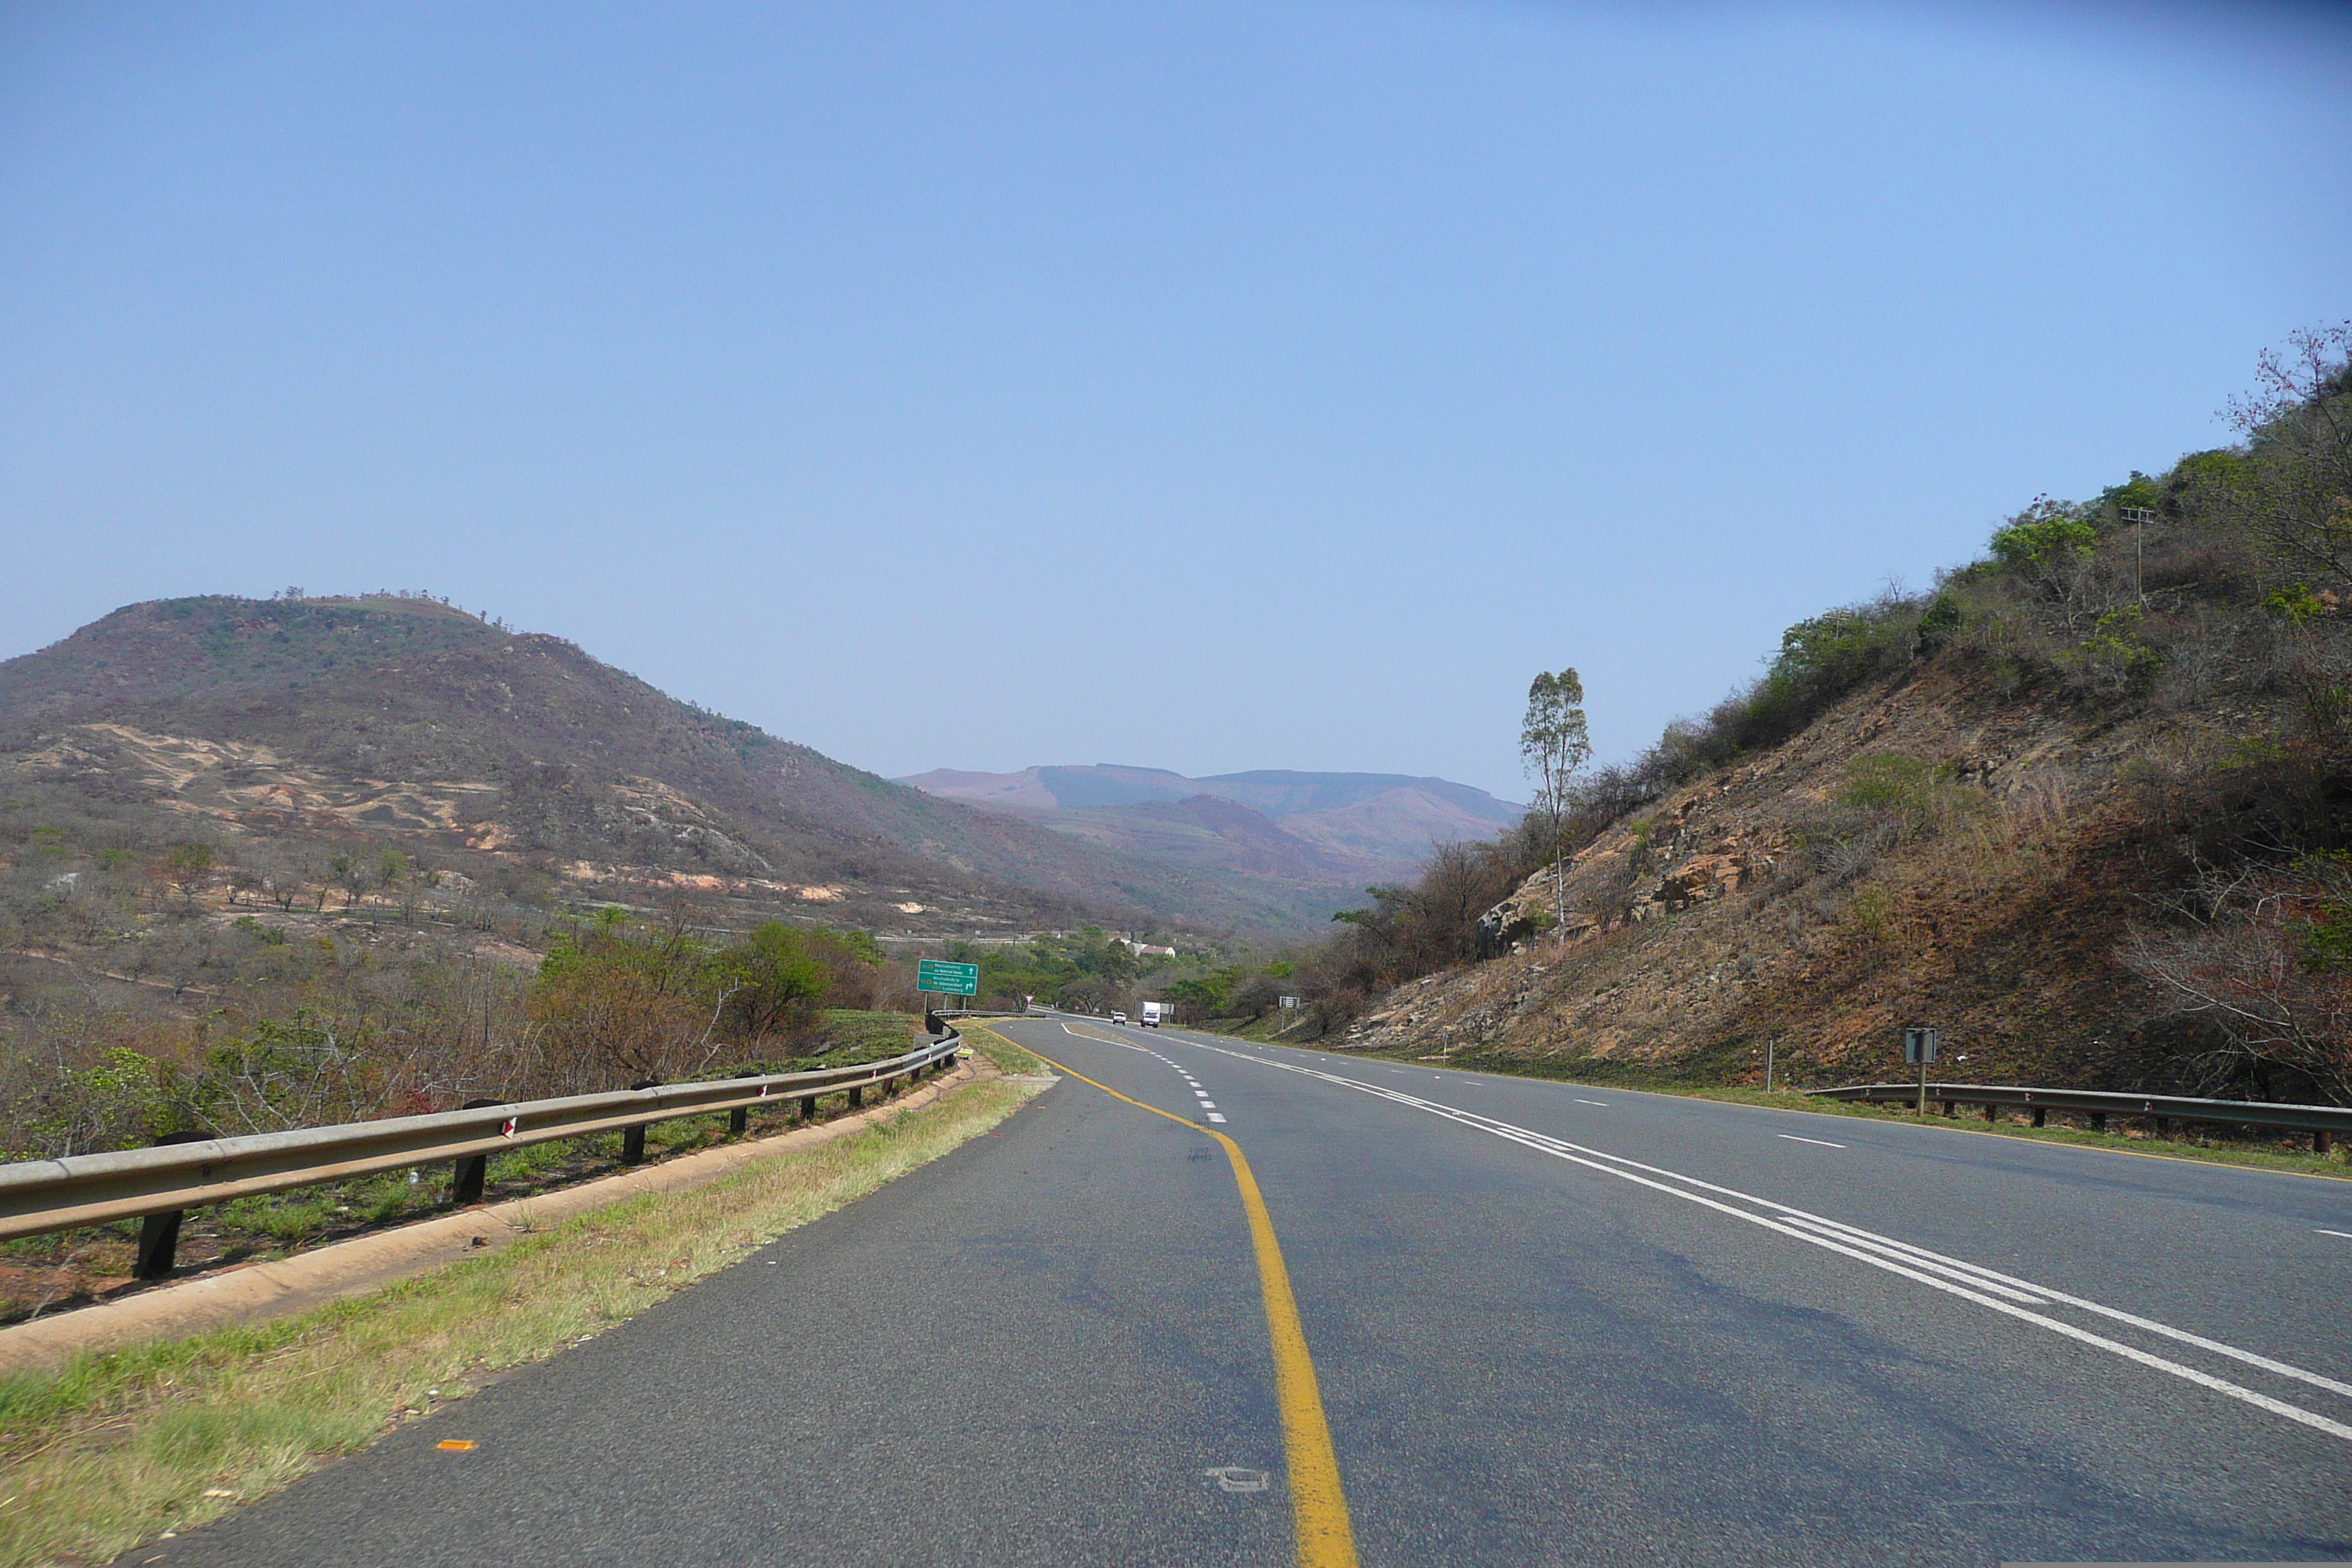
(2263, 957)
(606, 1026)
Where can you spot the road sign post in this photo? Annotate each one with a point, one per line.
(947, 979)
(1919, 1047)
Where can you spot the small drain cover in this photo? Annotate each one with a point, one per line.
(1234, 1479)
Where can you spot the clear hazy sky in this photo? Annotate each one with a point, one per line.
(1205, 386)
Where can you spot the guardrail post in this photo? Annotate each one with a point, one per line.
(633, 1139)
(158, 1233)
(2041, 1115)
(1993, 1112)
(856, 1095)
(2163, 1126)
(468, 1175)
(808, 1108)
(1951, 1108)
(2320, 1142)
(2098, 1121)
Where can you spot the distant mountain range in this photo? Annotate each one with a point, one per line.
(1314, 838)
(289, 732)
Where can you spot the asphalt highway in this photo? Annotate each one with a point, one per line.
(1549, 1324)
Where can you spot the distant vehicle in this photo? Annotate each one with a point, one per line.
(1157, 1012)
(1118, 1017)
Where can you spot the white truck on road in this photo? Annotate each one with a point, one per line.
(1157, 1012)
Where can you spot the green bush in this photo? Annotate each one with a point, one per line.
(122, 1101)
(2043, 536)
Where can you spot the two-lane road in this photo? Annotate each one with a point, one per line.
(1550, 1325)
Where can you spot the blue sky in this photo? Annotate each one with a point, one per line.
(1203, 386)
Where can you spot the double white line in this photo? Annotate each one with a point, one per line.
(1972, 1283)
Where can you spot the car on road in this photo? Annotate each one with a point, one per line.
(1118, 1017)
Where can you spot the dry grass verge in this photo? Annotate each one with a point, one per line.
(1001, 1052)
(110, 1450)
(2247, 1154)
(2252, 1156)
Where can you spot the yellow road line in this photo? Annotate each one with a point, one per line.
(1319, 1509)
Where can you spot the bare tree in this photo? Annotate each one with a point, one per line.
(2263, 957)
(187, 869)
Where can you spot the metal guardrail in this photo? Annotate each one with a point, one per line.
(2322, 1121)
(157, 1184)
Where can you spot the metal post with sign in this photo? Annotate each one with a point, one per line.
(947, 979)
(1919, 1047)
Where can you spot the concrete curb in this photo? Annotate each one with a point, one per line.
(256, 1292)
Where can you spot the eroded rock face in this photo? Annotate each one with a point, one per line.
(1710, 876)
(1611, 884)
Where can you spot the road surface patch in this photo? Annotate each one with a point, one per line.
(1986, 1288)
(1318, 1506)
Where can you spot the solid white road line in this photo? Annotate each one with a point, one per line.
(2346, 1235)
(1983, 1285)
(1822, 1141)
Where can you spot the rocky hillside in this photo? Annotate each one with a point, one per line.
(1924, 853)
(2086, 807)
(294, 730)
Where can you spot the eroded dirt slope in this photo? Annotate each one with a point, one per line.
(1925, 853)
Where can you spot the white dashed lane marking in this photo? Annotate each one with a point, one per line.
(1200, 1095)
(1822, 1141)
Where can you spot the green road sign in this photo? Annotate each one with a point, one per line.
(950, 979)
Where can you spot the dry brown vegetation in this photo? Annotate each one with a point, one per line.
(2083, 805)
(268, 864)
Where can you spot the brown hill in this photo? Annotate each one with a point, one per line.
(522, 765)
(1924, 852)
(2086, 807)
